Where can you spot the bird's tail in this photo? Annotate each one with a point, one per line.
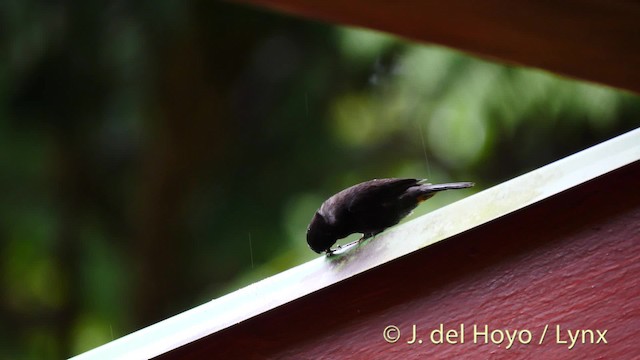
(449, 186)
(425, 190)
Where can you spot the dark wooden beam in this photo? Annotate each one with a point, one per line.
(591, 40)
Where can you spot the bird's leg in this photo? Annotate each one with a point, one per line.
(364, 236)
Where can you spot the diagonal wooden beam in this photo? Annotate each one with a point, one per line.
(259, 298)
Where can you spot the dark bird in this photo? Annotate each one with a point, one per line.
(369, 208)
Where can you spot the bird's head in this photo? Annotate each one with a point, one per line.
(320, 234)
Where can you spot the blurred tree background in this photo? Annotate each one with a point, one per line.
(157, 154)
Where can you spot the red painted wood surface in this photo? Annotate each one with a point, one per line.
(593, 40)
(571, 261)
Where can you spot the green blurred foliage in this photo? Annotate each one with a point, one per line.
(157, 154)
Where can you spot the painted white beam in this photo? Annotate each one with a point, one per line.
(401, 240)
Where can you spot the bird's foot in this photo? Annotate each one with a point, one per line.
(353, 242)
(330, 252)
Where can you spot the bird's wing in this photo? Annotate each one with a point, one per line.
(375, 193)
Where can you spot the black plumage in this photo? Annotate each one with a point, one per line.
(369, 208)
